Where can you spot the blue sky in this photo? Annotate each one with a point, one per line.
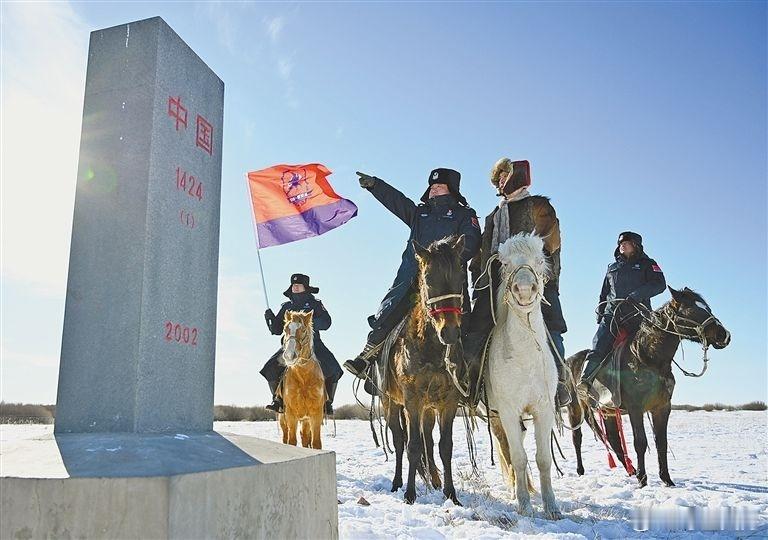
(641, 116)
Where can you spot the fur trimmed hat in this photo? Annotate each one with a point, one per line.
(507, 183)
(303, 279)
(450, 178)
(629, 236)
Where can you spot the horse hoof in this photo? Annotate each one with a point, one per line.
(580, 471)
(668, 482)
(396, 486)
(454, 499)
(410, 496)
(525, 510)
(553, 515)
(642, 481)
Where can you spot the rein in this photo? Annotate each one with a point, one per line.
(697, 330)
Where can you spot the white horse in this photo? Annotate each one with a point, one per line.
(521, 376)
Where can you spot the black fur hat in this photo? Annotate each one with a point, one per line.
(629, 236)
(448, 177)
(304, 280)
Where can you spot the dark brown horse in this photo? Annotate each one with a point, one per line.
(418, 387)
(647, 381)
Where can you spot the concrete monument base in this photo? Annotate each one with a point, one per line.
(196, 485)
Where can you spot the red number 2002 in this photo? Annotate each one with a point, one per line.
(180, 333)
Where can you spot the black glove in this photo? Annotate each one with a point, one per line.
(366, 181)
(270, 318)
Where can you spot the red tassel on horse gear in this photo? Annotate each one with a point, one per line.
(611, 461)
(627, 461)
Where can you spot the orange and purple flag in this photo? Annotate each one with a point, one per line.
(293, 202)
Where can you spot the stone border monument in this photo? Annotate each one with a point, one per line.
(134, 454)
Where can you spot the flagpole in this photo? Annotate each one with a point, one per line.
(258, 243)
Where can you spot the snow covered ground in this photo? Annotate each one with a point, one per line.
(717, 459)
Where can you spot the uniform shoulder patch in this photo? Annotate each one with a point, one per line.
(475, 222)
(655, 267)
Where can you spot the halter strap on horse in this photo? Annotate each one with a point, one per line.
(445, 309)
(672, 318)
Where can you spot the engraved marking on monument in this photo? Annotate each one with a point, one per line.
(181, 333)
(178, 111)
(204, 136)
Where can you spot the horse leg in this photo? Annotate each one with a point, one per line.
(543, 421)
(641, 443)
(428, 426)
(283, 427)
(519, 461)
(574, 417)
(398, 440)
(507, 473)
(660, 420)
(415, 445)
(446, 451)
(315, 422)
(291, 424)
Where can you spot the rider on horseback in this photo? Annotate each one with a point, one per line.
(301, 298)
(443, 212)
(634, 277)
(523, 213)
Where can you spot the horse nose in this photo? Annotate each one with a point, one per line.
(449, 334)
(524, 292)
(723, 336)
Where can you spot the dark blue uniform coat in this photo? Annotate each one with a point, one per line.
(438, 218)
(321, 320)
(639, 278)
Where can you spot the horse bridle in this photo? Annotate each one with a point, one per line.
(511, 278)
(698, 329)
(433, 312)
(307, 340)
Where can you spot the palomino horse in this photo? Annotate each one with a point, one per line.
(521, 377)
(647, 382)
(303, 383)
(418, 380)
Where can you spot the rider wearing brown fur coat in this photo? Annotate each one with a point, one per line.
(518, 212)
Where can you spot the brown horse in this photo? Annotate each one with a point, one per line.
(647, 381)
(303, 387)
(419, 383)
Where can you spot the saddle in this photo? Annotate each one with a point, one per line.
(606, 388)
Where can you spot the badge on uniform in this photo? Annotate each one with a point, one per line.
(475, 222)
(449, 213)
(656, 268)
(636, 267)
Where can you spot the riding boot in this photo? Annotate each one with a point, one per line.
(277, 401)
(593, 362)
(359, 366)
(330, 391)
(563, 396)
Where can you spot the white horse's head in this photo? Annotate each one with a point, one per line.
(524, 271)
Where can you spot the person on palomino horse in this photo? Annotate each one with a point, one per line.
(443, 212)
(518, 212)
(301, 298)
(634, 276)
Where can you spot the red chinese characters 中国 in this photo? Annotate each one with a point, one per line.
(204, 136)
(178, 111)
